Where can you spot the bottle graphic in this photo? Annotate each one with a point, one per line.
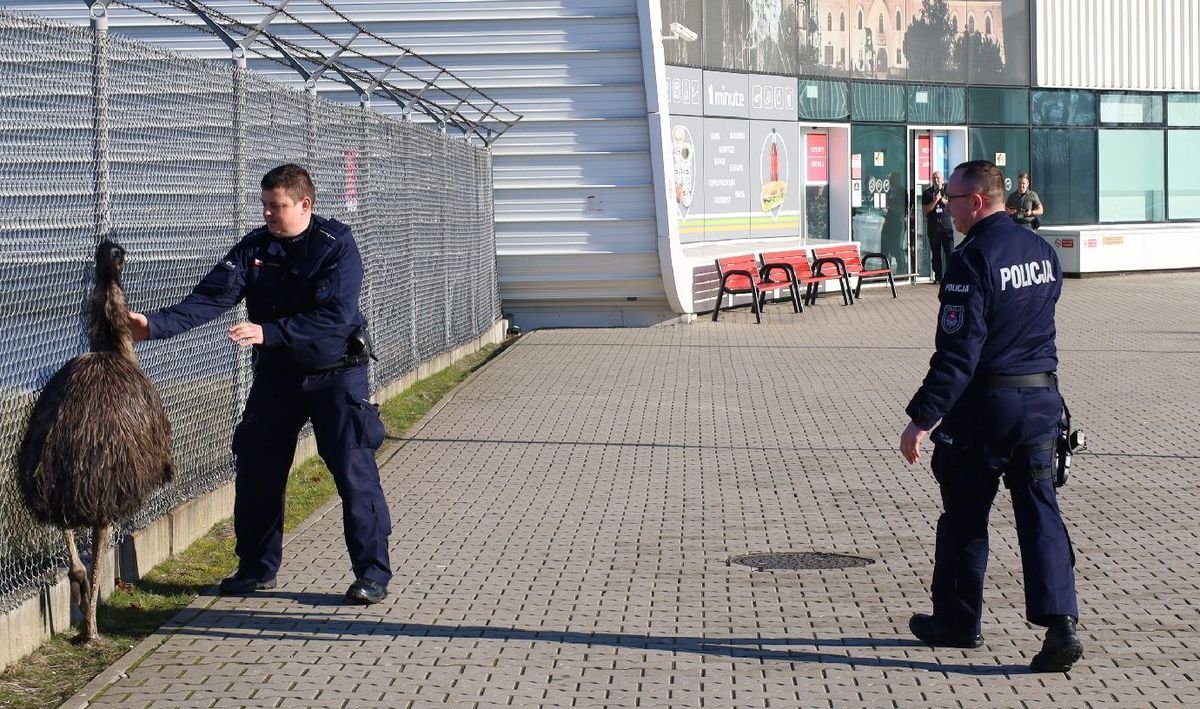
(774, 157)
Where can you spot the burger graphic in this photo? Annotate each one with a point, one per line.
(774, 190)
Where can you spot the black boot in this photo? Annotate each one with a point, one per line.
(1061, 649)
(929, 631)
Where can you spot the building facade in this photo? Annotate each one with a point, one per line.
(659, 135)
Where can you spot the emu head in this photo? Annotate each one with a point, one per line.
(110, 258)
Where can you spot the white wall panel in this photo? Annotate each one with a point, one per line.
(1149, 45)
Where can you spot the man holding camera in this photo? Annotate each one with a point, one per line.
(1024, 205)
(938, 227)
(992, 384)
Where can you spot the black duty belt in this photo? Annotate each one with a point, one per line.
(1041, 380)
(347, 362)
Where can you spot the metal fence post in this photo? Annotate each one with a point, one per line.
(98, 12)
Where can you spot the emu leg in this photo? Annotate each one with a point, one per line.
(80, 589)
(99, 552)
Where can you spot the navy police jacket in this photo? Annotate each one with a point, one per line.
(997, 314)
(303, 291)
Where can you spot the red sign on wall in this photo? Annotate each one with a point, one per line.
(924, 158)
(817, 158)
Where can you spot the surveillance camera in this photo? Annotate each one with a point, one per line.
(687, 35)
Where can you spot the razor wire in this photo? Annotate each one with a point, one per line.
(103, 136)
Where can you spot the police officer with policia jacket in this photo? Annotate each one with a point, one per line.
(992, 385)
(300, 275)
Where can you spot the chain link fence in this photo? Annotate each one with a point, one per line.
(105, 136)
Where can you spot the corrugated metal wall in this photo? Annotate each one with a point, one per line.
(1118, 44)
(575, 229)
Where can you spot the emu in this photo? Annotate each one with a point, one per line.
(98, 439)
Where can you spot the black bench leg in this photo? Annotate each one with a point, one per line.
(755, 303)
(796, 306)
(858, 289)
(892, 284)
(844, 287)
(720, 297)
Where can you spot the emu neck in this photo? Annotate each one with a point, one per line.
(109, 328)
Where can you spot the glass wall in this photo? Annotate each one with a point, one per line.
(1007, 147)
(824, 100)
(955, 41)
(1058, 107)
(1133, 109)
(1183, 110)
(1064, 174)
(940, 105)
(1131, 176)
(877, 101)
(1183, 180)
(998, 106)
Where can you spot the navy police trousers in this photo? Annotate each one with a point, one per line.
(348, 431)
(990, 433)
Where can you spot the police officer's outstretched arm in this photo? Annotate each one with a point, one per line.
(961, 331)
(218, 291)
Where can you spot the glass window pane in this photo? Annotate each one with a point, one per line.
(677, 50)
(998, 106)
(1183, 180)
(997, 50)
(824, 39)
(1007, 147)
(933, 31)
(824, 100)
(1183, 110)
(1064, 174)
(726, 36)
(1131, 176)
(877, 102)
(1130, 108)
(943, 105)
(1064, 108)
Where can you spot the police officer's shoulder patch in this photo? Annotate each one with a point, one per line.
(952, 318)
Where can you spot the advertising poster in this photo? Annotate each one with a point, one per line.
(727, 181)
(775, 189)
(726, 35)
(687, 186)
(773, 98)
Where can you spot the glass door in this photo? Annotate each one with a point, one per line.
(933, 150)
(879, 200)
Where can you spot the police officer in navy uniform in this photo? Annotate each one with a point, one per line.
(992, 385)
(300, 275)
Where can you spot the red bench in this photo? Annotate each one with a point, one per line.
(852, 265)
(802, 270)
(740, 274)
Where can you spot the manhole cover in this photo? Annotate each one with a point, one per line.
(800, 560)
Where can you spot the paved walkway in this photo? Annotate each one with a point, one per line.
(563, 524)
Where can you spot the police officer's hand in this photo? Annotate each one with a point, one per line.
(245, 334)
(139, 326)
(910, 442)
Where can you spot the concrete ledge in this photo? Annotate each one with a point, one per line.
(26, 627)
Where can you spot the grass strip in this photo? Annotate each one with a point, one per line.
(60, 667)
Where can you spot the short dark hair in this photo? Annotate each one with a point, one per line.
(292, 178)
(983, 177)
(1023, 175)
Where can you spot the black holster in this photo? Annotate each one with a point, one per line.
(1065, 444)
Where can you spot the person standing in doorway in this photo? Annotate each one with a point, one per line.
(301, 275)
(1024, 205)
(992, 384)
(939, 228)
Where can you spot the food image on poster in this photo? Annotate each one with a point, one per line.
(683, 153)
(774, 163)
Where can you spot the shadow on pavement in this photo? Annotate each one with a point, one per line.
(251, 625)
